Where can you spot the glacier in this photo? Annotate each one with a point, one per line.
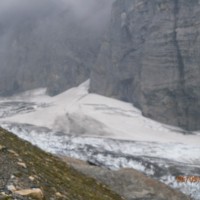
(105, 132)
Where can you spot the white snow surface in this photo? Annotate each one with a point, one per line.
(104, 131)
(76, 111)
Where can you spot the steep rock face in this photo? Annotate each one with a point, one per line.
(151, 57)
(49, 43)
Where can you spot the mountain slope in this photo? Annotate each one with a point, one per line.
(20, 161)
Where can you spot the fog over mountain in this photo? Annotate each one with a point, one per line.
(144, 52)
(112, 82)
(47, 43)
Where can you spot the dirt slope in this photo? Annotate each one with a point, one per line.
(23, 166)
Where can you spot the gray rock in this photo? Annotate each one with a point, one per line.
(151, 57)
(129, 183)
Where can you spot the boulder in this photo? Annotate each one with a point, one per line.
(33, 193)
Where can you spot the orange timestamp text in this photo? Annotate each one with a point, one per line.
(188, 179)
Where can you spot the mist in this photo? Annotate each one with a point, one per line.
(49, 43)
(92, 13)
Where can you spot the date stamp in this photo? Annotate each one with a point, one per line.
(188, 179)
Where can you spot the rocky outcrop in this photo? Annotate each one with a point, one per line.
(129, 183)
(150, 57)
(49, 43)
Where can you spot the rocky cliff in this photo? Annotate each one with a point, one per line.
(151, 57)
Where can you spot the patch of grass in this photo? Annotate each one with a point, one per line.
(55, 176)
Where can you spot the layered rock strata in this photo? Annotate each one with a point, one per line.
(151, 57)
